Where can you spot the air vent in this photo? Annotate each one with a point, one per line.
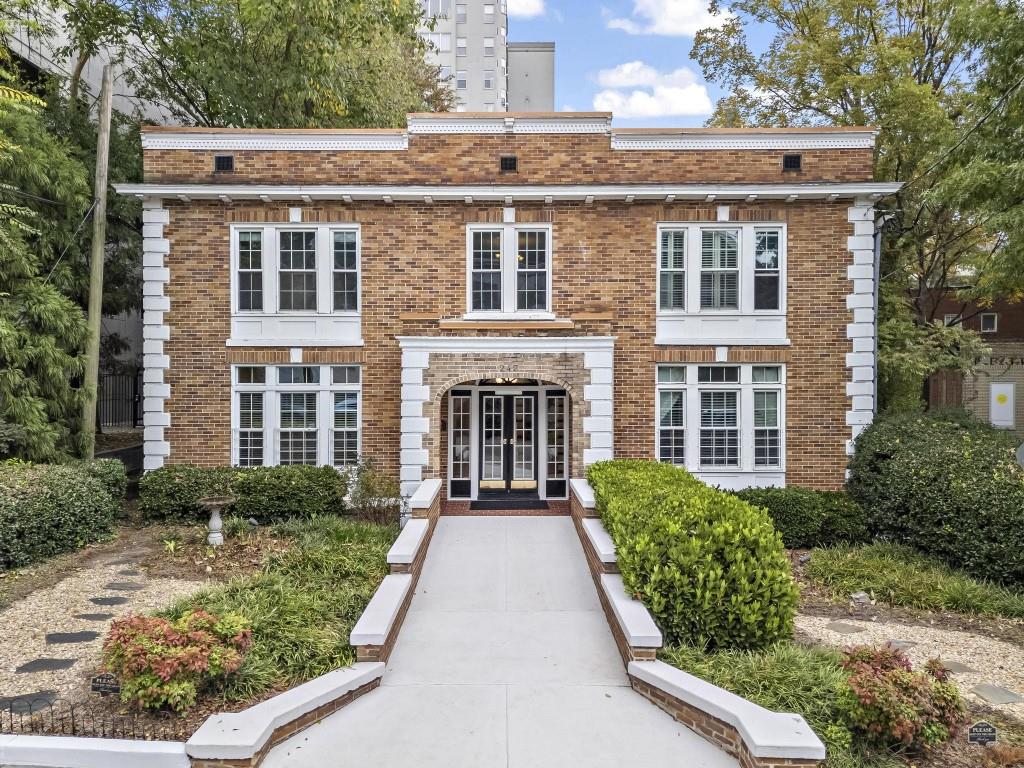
(791, 162)
(509, 164)
(224, 163)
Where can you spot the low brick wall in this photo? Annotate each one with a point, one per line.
(289, 729)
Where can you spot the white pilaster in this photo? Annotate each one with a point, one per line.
(156, 275)
(861, 361)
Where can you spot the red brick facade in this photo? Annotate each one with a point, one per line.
(413, 262)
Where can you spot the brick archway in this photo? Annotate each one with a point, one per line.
(431, 366)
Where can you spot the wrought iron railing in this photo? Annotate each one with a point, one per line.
(60, 717)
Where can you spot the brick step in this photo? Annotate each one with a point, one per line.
(461, 509)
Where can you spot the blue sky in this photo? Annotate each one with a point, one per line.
(631, 57)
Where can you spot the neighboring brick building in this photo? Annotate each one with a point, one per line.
(990, 393)
(701, 296)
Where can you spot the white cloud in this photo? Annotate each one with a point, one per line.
(636, 89)
(525, 9)
(669, 17)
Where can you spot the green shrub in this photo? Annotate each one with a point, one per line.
(46, 509)
(271, 494)
(951, 488)
(172, 493)
(809, 518)
(891, 704)
(709, 566)
(375, 497)
(783, 678)
(303, 604)
(110, 472)
(899, 575)
(166, 664)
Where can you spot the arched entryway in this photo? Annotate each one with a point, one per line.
(507, 438)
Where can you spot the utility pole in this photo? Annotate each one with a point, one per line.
(99, 236)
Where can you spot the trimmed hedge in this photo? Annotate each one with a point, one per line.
(709, 566)
(110, 472)
(272, 494)
(269, 494)
(950, 487)
(46, 509)
(171, 494)
(807, 518)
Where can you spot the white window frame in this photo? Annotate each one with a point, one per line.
(441, 41)
(460, 13)
(461, 79)
(325, 390)
(509, 271)
(461, 46)
(271, 267)
(489, 78)
(745, 388)
(950, 320)
(489, 16)
(995, 322)
(693, 267)
(490, 47)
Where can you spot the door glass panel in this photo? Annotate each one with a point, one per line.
(556, 437)
(523, 472)
(460, 437)
(492, 417)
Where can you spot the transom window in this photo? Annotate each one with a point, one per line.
(498, 284)
(296, 414)
(735, 269)
(296, 269)
(720, 418)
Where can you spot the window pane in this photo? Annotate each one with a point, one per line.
(460, 405)
(298, 374)
(719, 249)
(671, 374)
(719, 434)
(672, 446)
(297, 276)
(763, 374)
(673, 249)
(671, 409)
(719, 290)
(345, 438)
(718, 374)
(250, 432)
(345, 374)
(297, 448)
(766, 250)
(672, 293)
(531, 265)
(766, 409)
(252, 374)
(250, 271)
(556, 437)
(766, 290)
(487, 290)
(486, 278)
(767, 442)
(298, 410)
(298, 435)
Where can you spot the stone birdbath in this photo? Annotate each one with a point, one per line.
(214, 504)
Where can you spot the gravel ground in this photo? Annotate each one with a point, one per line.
(996, 662)
(25, 624)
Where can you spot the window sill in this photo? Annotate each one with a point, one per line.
(510, 323)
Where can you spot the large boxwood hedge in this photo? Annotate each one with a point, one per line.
(110, 472)
(947, 486)
(269, 494)
(46, 509)
(709, 566)
(809, 518)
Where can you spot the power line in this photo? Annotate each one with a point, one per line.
(73, 236)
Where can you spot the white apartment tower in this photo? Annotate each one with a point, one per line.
(486, 71)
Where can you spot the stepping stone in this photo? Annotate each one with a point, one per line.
(108, 600)
(45, 665)
(122, 561)
(94, 616)
(123, 586)
(129, 572)
(996, 694)
(60, 638)
(957, 668)
(902, 645)
(843, 628)
(27, 702)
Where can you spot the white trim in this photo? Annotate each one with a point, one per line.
(473, 124)
(417, 192)
(155, 418)
(78, 752)
(598, 355)
(385, 141)
(749, 141)
(862, 364)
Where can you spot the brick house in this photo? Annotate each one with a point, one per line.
(498, 301)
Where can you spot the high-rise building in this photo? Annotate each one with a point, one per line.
(488, 73)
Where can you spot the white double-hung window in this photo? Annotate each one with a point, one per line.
(721, 418)
(296, 414)
(508, 270)
(721, 283)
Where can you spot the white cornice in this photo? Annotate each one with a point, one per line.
(299, 141)
(510, 124)
(521, 193)
(721, 141)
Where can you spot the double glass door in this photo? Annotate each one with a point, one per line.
(508, 444)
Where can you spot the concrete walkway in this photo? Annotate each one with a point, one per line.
(505, 660)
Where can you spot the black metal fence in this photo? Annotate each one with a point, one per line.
(120, 400)
(45, 716)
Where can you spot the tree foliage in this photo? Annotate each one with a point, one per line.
(909, 69)
(283, 63)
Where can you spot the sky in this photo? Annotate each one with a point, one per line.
(630, 57)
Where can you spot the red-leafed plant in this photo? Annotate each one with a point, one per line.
(165, 664)
(892, 704)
